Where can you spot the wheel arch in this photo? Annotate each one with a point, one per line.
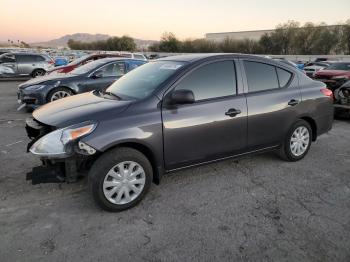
(54, 88)
(313, 125)
(147, 151)
(36, 69)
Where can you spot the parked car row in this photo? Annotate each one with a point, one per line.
(95, 75)
(165, 115)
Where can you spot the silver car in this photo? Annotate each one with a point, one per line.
(25, 64)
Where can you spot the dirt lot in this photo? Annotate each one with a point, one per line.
(254, 209)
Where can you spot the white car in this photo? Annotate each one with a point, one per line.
(134, 56)
(312, 67)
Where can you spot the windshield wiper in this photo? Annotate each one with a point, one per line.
(111, 94)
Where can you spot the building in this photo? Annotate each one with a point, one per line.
(254, 35)
(240, 35)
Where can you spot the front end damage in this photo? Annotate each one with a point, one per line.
(67, 166)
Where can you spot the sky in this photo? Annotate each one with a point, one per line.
(42, 20)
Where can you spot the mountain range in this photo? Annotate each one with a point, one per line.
(85, 37)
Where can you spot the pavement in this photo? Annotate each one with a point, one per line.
(258, 208)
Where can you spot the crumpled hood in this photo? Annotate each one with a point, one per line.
(79, 108)
(46, 78)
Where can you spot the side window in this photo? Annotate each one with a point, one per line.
(283, 76)
(27, 58)
(260, 76)
(134, 64)
(39, 58)
(211, 81)
(114, 69)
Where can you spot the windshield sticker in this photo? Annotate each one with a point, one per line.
(170, 66)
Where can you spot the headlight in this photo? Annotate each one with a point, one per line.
(35, 87)
(55, 143)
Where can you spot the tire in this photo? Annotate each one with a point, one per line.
(289, 152)
(38, 72)
(58, 93)
(100, 177)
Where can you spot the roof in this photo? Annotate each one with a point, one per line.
(197, 57)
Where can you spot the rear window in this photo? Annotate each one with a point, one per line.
(260, 76)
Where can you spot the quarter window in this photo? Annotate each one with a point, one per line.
(260, 76)
(211, 81)
(283, 76)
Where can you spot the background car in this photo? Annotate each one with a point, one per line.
(134, 56)
(96, 75)
(312, 67)
(61, 61)
(79, 62)
(332, 74)
(26, 64)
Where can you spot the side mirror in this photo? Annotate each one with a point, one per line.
(97, 74)
(181, 97)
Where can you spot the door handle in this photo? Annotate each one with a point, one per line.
(232, 112)
(293, 102)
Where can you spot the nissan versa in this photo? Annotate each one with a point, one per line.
(173, 113)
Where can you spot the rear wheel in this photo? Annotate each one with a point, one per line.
(38, 72)
(59, 93)
(297, 142)
(120, 178)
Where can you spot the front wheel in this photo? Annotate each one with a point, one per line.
(120, 178)
(297, 142)
(58, 93)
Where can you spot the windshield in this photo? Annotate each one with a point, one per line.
(87, 67)
(339, 66)
(143, 80)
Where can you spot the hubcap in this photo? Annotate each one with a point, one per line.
(299, 141)
(59, 95)
(124, 182)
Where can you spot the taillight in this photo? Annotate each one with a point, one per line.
(327, 92)
(51, 62)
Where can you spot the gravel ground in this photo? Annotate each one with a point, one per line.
(257, 208)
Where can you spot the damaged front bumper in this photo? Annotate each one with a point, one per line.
(63, 168)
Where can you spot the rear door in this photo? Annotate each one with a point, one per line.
(204, 131)
(108, 74)
(273, 97)
(26, 63)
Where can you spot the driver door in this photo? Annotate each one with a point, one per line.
(206, 130)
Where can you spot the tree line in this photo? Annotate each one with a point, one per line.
(123, 43)
(288, 39)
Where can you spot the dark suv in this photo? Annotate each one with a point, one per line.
(173, 113)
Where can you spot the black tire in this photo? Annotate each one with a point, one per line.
(285, 151)
(38, 72)
(104, 164)
(58, 89)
